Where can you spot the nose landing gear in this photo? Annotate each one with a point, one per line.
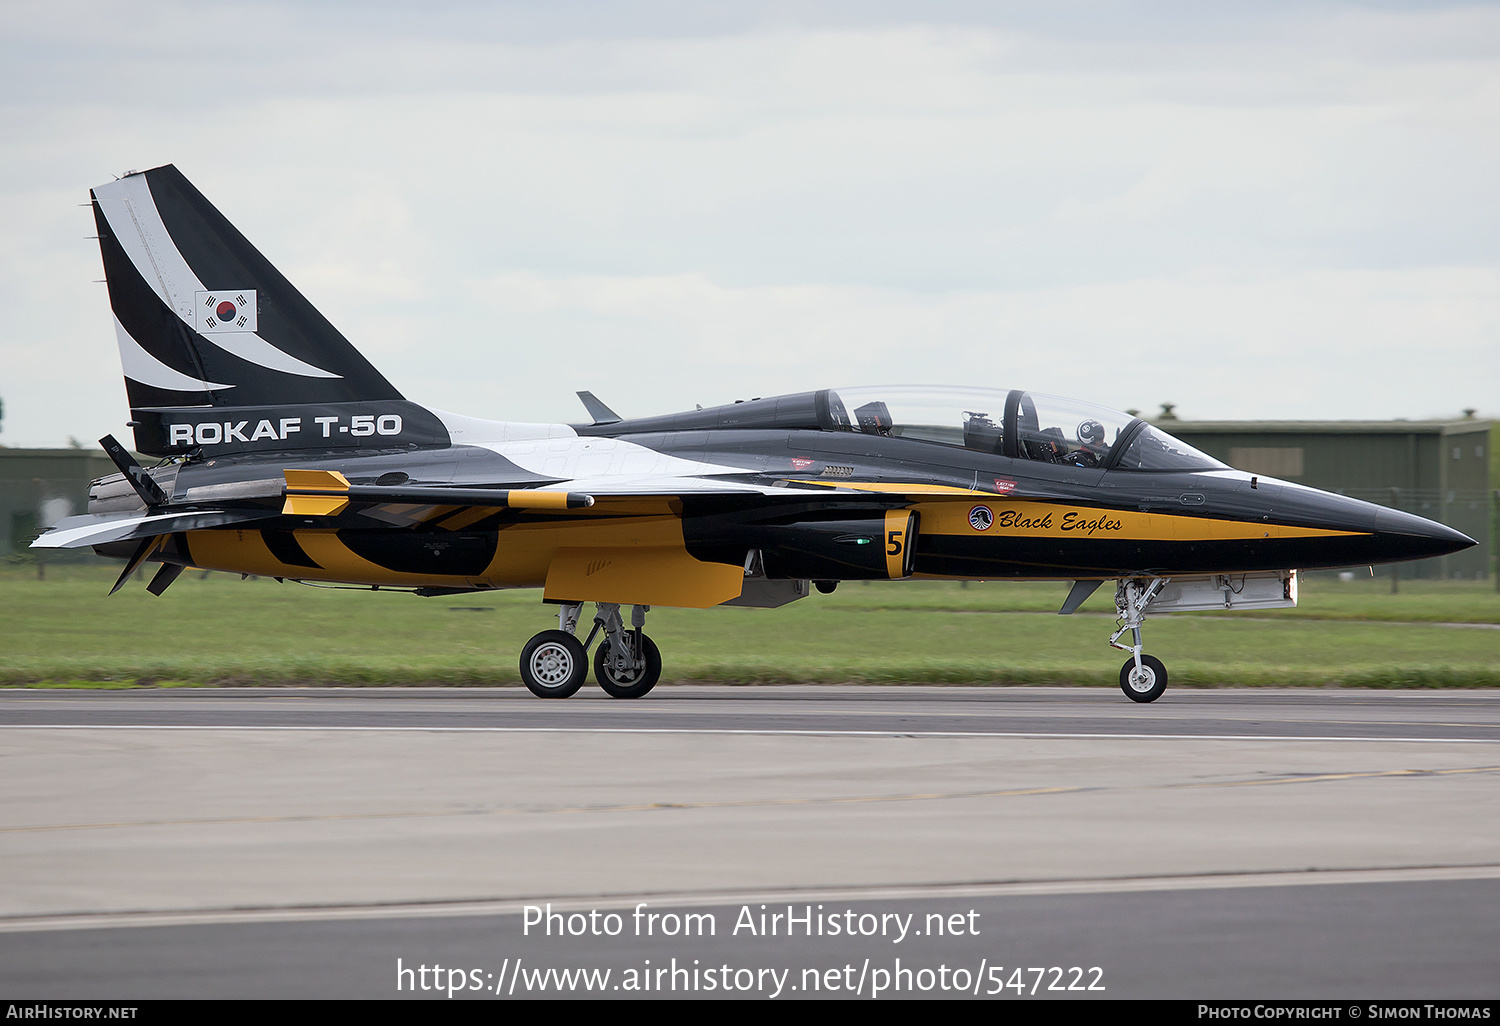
(1143, 678)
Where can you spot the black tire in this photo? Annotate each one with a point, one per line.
(634, 683)
(554, 665)
(1151, 683)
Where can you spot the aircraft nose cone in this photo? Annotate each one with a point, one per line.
(1415, 537)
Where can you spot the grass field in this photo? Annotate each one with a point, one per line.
(216, 629)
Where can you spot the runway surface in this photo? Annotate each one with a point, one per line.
(1258, 843)
(1426, 715)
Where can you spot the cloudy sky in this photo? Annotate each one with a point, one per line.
(1251, 210)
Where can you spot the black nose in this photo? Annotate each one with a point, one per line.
(1413, 537)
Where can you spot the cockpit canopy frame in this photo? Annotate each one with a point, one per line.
(1016, 424)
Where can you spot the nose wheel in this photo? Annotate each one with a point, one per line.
(1143, 678)
(1143, 683)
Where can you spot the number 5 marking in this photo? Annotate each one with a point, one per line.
(900, 526)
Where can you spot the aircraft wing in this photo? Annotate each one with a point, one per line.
(329, 493)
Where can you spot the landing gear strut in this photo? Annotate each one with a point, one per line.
(1143, 678)
(627, 664)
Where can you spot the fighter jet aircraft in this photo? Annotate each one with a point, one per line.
(284, 453)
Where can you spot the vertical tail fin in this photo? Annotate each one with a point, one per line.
(221, 353)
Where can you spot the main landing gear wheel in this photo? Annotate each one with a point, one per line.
(630, 681)
(554, 664)
(1145, 684)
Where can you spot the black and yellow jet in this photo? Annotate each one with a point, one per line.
(286, 454)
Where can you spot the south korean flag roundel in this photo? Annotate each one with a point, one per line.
(225, 310)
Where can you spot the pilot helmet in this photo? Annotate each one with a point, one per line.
(1091, 433)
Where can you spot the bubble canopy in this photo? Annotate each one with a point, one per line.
(1017, 424)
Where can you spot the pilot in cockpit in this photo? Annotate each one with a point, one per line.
(1091, 447)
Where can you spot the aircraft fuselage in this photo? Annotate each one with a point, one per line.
(977, 515)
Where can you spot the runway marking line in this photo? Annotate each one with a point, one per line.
(634, 807)
(739, 803)
(748, 731)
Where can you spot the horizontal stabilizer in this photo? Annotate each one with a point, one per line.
(102, 528)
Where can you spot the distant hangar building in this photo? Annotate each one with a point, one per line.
(1440, 470)
(38, 487)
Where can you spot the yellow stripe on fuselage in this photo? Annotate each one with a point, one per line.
(1028, 519)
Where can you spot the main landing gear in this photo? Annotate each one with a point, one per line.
(627, 664)
(1143, 678)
